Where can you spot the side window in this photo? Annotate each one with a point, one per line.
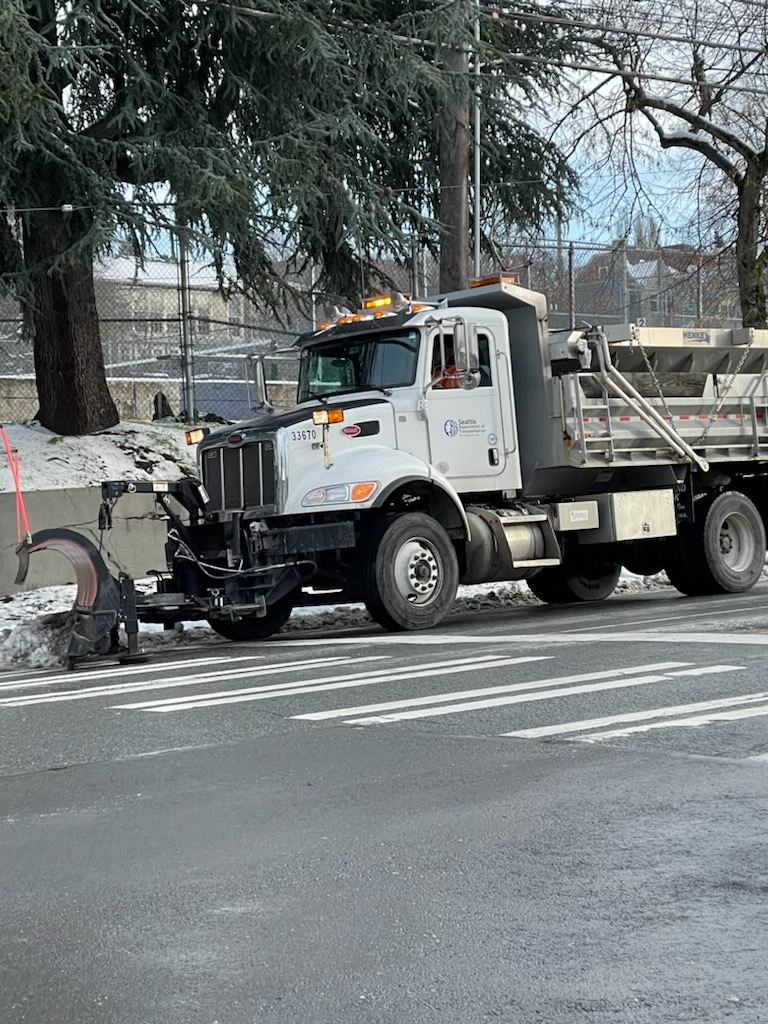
(437, 360)
(484, 348)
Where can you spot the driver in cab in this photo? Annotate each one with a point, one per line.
(444, 375)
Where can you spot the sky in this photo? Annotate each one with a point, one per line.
(665, 193)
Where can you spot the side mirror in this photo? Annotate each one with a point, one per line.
(257, 379)
(466, 350)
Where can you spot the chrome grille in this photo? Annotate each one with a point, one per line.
(240, 476)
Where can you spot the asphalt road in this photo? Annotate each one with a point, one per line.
(529, 815)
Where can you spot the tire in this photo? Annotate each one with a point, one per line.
(410, 573)
(645, 558)
(253, 627)
(723, 552)
(686, 569)
(569, 583)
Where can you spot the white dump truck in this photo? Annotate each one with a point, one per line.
(458, 439)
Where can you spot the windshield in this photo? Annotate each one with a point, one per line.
(359, 362)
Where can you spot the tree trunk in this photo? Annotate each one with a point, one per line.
(62, 318)
(749, 268)
(454, 175)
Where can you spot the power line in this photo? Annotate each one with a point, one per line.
(636, 33)
(496, 11)
(730, 7)
(613, 72)
(385, 190)
(681, 15)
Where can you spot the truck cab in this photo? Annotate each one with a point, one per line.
(443, 391)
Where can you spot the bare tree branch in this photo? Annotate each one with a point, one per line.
(694, 142)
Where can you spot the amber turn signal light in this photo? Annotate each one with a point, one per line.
(321, 416)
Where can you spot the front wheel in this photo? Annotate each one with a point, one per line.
(569, 583)
(253, 627)
(409, 573)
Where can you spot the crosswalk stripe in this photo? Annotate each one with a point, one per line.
(484, 639)
(122, 670)
(168, 684)
(20, 672)
(705, 719)
(319, 716)
(588, 724)
(522, 698)
(303, 686)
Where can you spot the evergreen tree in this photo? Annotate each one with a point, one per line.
(315, 121)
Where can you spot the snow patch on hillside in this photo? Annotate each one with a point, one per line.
(130, 451)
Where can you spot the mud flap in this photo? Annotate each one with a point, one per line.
(101, 602)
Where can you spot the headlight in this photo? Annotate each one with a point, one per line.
(339, 494)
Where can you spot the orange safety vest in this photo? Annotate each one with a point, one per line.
(451, 381)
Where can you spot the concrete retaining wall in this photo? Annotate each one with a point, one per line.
(135, 544)
(134, 398)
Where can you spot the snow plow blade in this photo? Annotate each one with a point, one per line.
(101, 603)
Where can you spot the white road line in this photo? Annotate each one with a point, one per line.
(641, 716)
(522, 698)
(678, 723)
(365, 709)
(169, 684)
(758, 757)
(122, 670)
(661, 617)
(486, 639)
(21, 672)
(319, 686)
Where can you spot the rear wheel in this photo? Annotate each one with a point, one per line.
(254, 627)
(410, 573)
(723, 552)
(570, 583)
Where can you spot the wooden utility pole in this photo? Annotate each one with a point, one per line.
(454, 174)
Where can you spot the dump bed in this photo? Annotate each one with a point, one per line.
(626, 403)
(708, 385)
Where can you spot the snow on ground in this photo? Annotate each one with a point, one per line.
(34, 624)
(132, 451)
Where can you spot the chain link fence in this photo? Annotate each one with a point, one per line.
(151, 326)
(171, 350)
(663, 286)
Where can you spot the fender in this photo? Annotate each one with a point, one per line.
(444, 484)
(388, 467)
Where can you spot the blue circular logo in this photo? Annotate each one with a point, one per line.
(451, 427)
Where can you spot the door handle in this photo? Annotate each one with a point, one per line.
(493, 456)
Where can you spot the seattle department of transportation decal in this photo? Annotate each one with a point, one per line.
(468, 427)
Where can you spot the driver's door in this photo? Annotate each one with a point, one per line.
(465, 428)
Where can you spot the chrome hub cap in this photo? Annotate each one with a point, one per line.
(737, 542)
(417, 571)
